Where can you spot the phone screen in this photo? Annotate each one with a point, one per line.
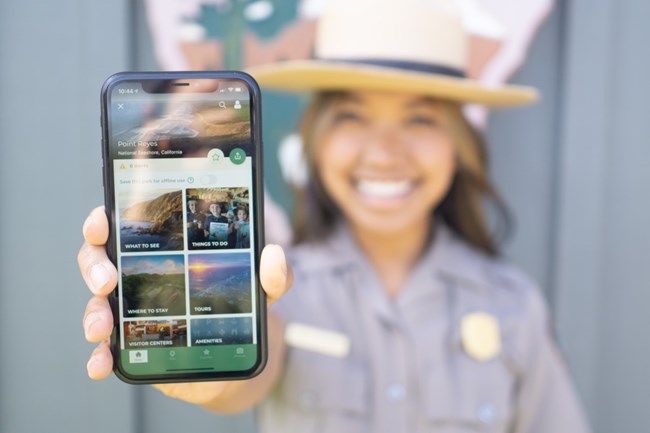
(182, 170)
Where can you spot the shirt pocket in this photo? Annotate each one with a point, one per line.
(327, 394)
(472, 397)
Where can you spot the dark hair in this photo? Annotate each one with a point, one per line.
(462, 209)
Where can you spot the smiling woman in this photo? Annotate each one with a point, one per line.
(381, 154)
(387, 161)
(394, 258)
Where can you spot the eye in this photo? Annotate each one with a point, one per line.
(348, 116)
(422, 120)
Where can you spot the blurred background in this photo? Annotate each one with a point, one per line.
(574, 168)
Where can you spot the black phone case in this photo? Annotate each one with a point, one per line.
(258, 191)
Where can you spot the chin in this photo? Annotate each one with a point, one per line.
(386, 224)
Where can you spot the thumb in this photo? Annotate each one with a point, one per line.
(275, 273)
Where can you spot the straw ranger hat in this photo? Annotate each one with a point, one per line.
(411, 46)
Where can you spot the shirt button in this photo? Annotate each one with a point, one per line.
(486, 413)
(395, 392)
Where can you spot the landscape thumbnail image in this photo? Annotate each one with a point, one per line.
(220, 283)
(151, 220)
(155, 333)
(192, 127)
(218, 127)
(153, 285)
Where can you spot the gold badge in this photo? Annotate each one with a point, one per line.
(481, 336)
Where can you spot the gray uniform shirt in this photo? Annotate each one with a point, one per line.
(407, 369)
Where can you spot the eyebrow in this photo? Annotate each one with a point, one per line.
(417, 102)
(423, 101)
(351, 98)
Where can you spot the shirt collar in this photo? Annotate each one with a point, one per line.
(447, 257)
(454, 259)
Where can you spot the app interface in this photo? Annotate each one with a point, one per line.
(182, 166)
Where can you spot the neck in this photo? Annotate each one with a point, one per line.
(393, 255)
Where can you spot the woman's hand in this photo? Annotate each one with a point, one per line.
(101, 278)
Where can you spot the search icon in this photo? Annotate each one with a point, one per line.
(222, 104)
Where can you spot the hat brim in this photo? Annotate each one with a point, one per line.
(321, 75)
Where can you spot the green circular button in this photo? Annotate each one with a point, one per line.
(237, 156)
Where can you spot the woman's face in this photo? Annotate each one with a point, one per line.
(387, 161)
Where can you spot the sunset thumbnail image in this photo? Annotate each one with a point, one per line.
(220, 283)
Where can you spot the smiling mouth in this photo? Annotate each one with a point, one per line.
(385, 188)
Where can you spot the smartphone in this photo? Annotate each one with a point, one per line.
(183, 189)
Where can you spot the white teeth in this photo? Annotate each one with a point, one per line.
(383, 188)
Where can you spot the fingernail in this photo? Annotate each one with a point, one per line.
(283, 266)
(99, 276)
(90, 367)
(85, 226)
(284, 269)
(91, 319)
(284, 261)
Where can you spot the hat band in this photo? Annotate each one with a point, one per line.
(427, 68)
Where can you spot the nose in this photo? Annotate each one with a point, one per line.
(383, 146)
